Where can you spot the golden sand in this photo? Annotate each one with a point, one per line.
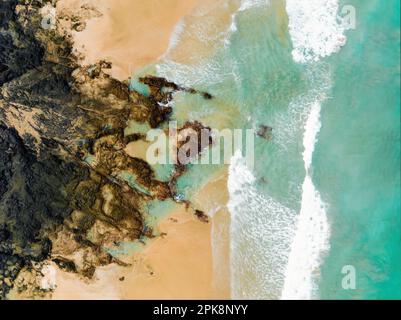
(206, 29)
(212, 198)
(179, 264)
(137, 149)
(128, 33)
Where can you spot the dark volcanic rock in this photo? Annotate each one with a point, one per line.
(162, 89)
(201, 216)
(16, 57)
(33, 198)
(45, 191)
(62, 158)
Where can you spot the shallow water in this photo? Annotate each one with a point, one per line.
(325, 191)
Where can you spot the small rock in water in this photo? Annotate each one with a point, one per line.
(202, 216)
(265, 132)
(207, 96)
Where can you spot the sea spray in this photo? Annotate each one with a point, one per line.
(315, 33)
(314, 28)
(175, 36)
(249, 4)
(267, 87)
(260, 229)
(255, 79)
(311, 238)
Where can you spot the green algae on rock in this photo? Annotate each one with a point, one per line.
(64, 195)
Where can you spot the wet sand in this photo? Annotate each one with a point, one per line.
(212, 198)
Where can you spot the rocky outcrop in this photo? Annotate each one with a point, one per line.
(163, 90)
(68, 190)
(20, 51)
(264, 132)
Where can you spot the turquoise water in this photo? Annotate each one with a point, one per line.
(357, 162)
(325, 191)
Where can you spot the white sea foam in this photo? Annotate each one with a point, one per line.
(261, 231)
(175, 36)
(248, 4)
(312, 129)
(273, 252)
(315, 33)
(203, 29)
(314, 28)
(202, 74)
(312, 234)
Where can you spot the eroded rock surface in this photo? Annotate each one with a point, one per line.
(64, 192)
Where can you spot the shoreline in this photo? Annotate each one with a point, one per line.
(129, 34)
(212, 198)
(179, 264)
(164, 269)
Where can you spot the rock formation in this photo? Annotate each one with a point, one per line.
(64, 195)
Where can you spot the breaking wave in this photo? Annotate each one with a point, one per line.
(314, 28)
(261, 230)
(312, 234)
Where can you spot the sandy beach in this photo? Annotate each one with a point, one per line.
(129, 34)
(212, 198)
(178, 264)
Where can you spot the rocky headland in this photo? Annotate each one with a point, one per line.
(63, 135)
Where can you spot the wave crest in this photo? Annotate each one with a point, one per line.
(314, 29)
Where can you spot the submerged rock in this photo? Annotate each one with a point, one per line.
(265, 132)
(163, 90)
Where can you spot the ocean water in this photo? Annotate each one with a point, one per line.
(324, 192)
(357, 162)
